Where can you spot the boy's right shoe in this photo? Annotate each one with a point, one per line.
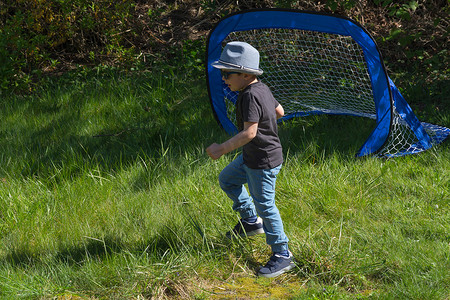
(277, 265)
(245, 229)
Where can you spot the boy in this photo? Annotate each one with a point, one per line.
(257, 112)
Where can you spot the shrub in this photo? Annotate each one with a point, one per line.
(35, 34)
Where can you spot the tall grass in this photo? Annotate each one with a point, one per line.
(106, 192)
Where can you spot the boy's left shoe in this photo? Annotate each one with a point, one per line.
(246, 229)
(277, 265)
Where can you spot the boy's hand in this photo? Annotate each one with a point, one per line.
(250, 129)
(215, 151)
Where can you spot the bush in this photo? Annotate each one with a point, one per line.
(47, 36)
(34, 35)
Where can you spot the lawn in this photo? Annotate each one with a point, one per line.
(106, 193)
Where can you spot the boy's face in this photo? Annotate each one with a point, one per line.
(236, 81)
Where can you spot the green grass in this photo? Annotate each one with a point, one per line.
(102, 198)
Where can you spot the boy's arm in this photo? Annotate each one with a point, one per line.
(217, 150)
(280, 111)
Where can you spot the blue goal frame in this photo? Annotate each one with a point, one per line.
(385, 94)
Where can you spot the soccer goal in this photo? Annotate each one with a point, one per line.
(320, 64)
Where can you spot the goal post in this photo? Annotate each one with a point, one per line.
(320, 64)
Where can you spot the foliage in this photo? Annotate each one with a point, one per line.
(47, 37)
(419, 37)
(343, 4)
(35, 34)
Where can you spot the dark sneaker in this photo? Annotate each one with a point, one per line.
(244, 229)
(277, 265)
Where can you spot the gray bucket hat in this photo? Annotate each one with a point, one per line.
(239, 56)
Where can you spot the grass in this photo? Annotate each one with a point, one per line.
(106, 193)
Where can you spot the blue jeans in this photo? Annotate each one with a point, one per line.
(261, 185)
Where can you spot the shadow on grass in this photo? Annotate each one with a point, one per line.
(32, 146)
(59, 150)
(89, 249)
(164, 245)
(325, 135)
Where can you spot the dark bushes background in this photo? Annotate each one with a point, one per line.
(48, 37)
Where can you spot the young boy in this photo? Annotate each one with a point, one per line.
(257, 112)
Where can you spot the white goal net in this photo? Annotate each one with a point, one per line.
(314, 72)
(320, 64)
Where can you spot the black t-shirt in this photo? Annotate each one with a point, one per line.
(257, 104)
